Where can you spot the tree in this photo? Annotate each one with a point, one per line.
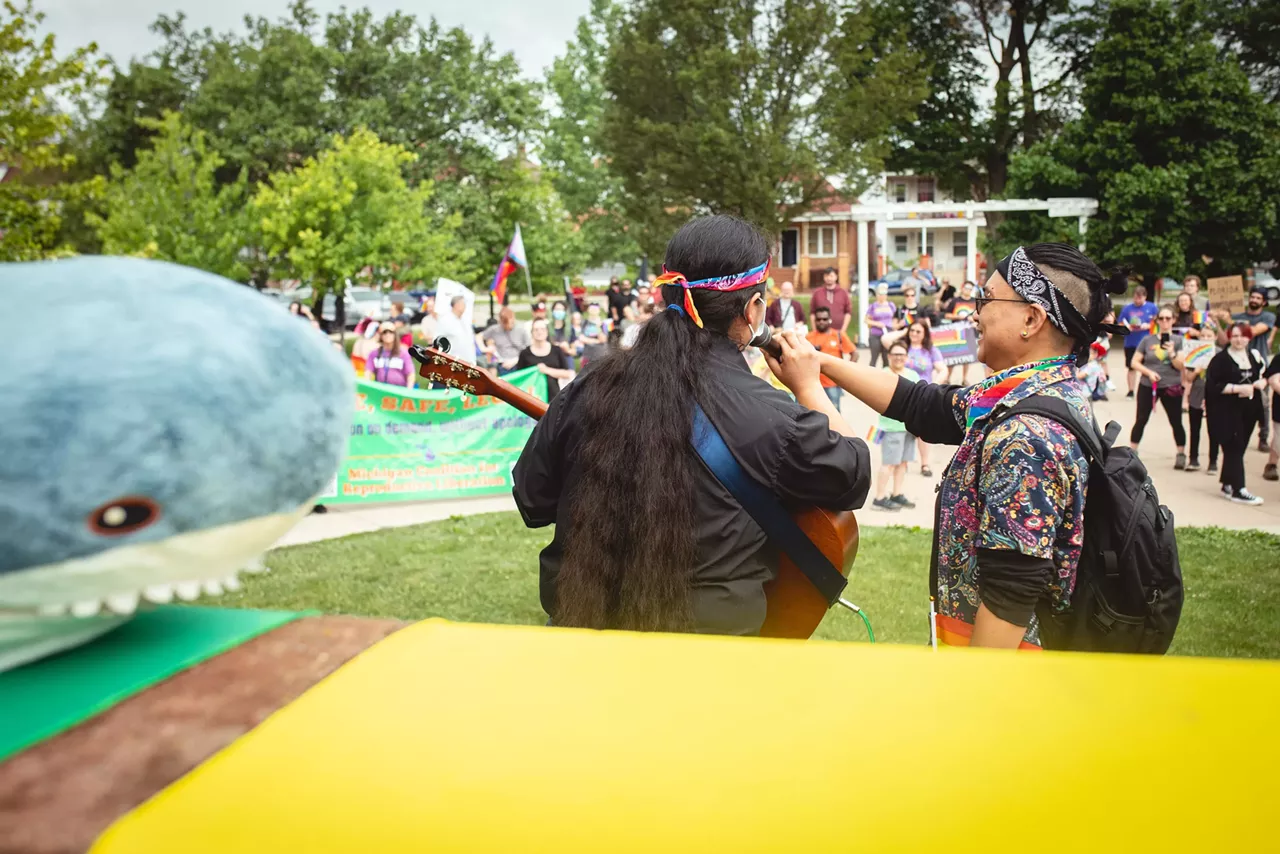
(571, 145)
(169, 206)
(758, 108)
(1174, 143)
(33, 84)
(349, 208)
(1250, 30)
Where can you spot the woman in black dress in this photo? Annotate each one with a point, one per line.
(550, 360)
(1233, 390)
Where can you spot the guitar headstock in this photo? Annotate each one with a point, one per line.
(438, 366)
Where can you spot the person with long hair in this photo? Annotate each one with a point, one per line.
(1233, 386)
(390, 362)
(1009, 525)
(646, 538)
(1159, 360)
(549, 359)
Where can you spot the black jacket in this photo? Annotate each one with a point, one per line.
(1230, 416)
(780, 444)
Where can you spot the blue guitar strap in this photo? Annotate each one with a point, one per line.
(765, 509)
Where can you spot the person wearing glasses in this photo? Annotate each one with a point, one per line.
(1158, 360)
(1009, 519)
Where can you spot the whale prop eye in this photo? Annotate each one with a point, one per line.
(123, 515)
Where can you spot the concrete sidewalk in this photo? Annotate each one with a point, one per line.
(1192, 496)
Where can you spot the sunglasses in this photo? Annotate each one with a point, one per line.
(1168, 317)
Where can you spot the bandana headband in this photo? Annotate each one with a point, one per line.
(733, 282)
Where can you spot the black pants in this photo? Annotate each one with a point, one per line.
(1197, 415)
(877, 349)
(1172, 408)
(1233, 448)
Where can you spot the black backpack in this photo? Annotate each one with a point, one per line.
(1128, 593)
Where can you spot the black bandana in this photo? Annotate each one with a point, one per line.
(1034, 286)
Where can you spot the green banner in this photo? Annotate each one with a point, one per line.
(419, 445)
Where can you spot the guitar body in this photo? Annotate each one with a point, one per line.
(795, 607)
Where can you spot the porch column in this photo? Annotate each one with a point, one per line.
(864, 281)
(924, 241)
(1084, 227)
(802, 266)
(971, 242)
(842, 251)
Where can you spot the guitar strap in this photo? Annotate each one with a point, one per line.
(764, 507)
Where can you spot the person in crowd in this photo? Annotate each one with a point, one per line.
(390, 363)
(1233, 386)
(398, 313)
(1136, 317)
(503, 341)
(303, 311)
(1158, 360)
(962, 309)
(1191, 284)
(833, 298)
(1262, 324)
(618, 330)
(1001, 564)
(595, 335)
(425, 318)
(644, 293)
(539, 309)
(455, 328)
(784, 313)
(1273, 382)
(1188, 320)
(917, 279)
(928, 362)
(579, 293)
(827, 339)
(945, 299)
(645, 314)
(897, 446)
(1095, 373)
(366, 341)
(560, 331)
(1221, 319)
(882, 317)
(912, 310)
(549, 359)
(689, 557)
(619, 297)
(404, 331)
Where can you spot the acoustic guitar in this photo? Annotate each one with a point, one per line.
(795, 607)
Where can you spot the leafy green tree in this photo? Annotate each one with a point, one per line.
(1178, 148)
(752, 108)
(1250, 31)
(348, 209)
(571, 146)
(170, 206)
(34, 81)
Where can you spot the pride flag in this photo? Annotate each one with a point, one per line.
(958, 343)
(512, 260)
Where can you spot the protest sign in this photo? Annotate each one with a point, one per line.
(418, 445)
(957, 341)
(1227, 292)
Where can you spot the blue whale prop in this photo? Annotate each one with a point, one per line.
(160, 428)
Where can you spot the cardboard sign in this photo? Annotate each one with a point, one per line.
(1227, 292)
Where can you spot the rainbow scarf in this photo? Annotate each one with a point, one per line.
(984, 396)
(732, 282)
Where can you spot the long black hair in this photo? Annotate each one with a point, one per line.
(629, 561)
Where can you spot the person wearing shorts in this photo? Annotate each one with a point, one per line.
(897, 446)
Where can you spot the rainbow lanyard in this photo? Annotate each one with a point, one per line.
(983, 397)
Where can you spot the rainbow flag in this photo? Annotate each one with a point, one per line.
(512, 260)
(957, 342)
(1199, 357)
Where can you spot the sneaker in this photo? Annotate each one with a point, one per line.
(1227, 493)
(1111, 386)
(925, 471)
(1129, 396)
(1270, 473)
(1244, 496)
(1263, 446)
(901, 501)
(885, 504)
(1180, 463)
(1194, 464)
(1212, 469)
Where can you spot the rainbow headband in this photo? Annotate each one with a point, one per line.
(734, 282)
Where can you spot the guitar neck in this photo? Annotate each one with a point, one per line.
(519, 398)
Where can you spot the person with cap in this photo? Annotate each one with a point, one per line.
(390, 362)
(1009, 524)
(1262, 325)
(882, 317)
(539, 309)
(646, 537)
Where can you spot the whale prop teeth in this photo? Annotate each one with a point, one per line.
(231, 583)
(188, 591)
(87, 608)
(212, 587)
(255, 565)
(122, 603)
(158, 594)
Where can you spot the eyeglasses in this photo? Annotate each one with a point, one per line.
(980, 299)
(1168, 317)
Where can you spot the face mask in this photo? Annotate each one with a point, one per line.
(760, 335)
(558, 314)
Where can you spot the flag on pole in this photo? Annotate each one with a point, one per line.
(513, 259)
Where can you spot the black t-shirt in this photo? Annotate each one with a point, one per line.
(618, 300)
(554, 359)
(1272, 370)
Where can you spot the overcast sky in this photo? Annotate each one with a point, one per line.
(534, 30)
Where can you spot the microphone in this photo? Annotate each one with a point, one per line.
(766, 342)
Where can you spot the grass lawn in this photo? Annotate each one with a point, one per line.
(484, 569)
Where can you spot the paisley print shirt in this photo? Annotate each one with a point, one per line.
(1031, 499)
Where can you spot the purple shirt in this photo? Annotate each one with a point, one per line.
(922, 361)
(884, 312)
(390, 368)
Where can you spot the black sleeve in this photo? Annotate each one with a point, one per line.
(526, 359)
(928, 411)
(1219, 375)
(1274, 367)
(1011, 583)
(821, 467)
(536, 477)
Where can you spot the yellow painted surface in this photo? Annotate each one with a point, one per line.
(449, 737)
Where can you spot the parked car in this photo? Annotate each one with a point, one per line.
(895, 278)
(1269, 283)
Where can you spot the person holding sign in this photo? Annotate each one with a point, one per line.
(1159, 360)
